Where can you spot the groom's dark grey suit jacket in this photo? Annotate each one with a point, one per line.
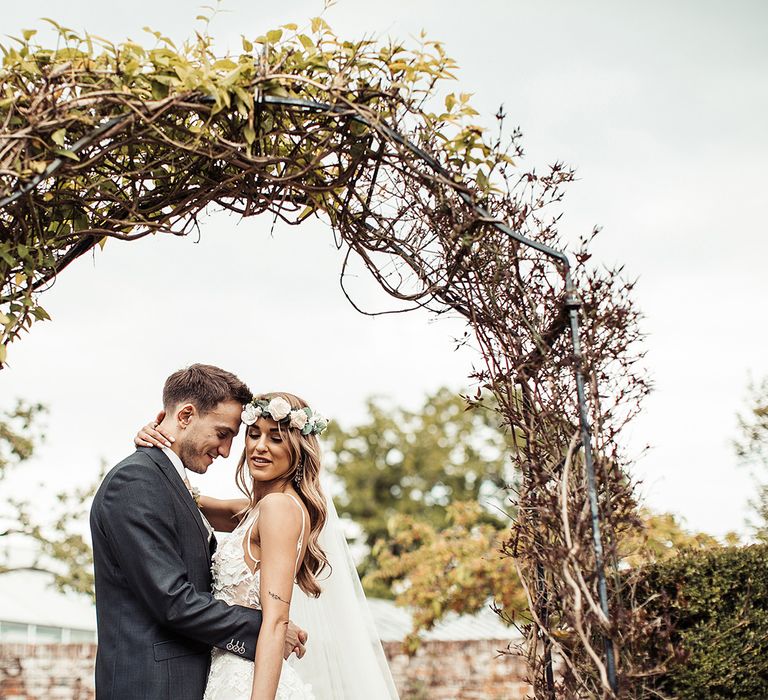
(156, 617)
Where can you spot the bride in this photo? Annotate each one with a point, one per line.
(285, 532)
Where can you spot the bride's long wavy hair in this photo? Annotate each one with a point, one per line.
(306, 449)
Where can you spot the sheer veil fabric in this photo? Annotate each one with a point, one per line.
(344, 656)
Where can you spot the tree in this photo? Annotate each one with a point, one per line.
(16, 443)
(436, 571)
(60, 549)
(751, 448)
(664, 537)
(419, 462)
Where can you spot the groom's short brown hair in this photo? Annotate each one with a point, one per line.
(204, 386)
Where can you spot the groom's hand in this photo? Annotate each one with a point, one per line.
(295, 639)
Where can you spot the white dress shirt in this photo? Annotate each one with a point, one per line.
(181, 469)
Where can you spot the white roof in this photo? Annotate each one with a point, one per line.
(30, 597)
(394, 623)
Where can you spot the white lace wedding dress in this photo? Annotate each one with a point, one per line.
(231, 676)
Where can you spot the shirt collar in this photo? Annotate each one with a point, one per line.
(176, 462)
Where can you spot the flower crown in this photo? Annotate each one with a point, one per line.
(279, 410)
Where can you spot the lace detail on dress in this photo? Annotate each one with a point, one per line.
(231, 676)
(233, 581)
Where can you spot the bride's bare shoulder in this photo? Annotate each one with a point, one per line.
(281, 506)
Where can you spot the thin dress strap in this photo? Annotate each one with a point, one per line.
(249, 532)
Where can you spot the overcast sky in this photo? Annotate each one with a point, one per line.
(660, 106)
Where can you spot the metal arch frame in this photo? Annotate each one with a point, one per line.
(572, 303)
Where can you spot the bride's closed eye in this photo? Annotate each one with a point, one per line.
(255, 434)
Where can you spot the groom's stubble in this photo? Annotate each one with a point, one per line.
(191, 455)
(207, 436)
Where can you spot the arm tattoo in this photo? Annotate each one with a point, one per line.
(277, 597)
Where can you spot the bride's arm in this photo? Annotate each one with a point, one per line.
(279, 528)
(222, 514)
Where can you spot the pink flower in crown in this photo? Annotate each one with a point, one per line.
(278, 408)
(299, 419)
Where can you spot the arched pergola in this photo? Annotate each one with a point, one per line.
(103, 141)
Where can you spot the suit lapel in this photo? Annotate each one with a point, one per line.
(160, 459)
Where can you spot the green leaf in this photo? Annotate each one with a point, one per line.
(40, 314)
(250, 134)
(225, 64)
(274, 35)
(50, 21)
(66, 153)
(58, 136)
(306, 212)
(306, 41)
(159, 91)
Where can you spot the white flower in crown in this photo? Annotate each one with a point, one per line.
(278, 408)
(250, 414)
(299, 419)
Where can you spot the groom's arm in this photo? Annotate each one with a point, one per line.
(138, 522)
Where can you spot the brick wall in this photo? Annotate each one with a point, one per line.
(470, 670)
(50, 671)
(438, 671)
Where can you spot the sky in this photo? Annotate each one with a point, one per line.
(661, 108)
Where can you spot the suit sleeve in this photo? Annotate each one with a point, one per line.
(138, 522)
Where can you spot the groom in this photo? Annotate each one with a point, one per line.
(156, 617)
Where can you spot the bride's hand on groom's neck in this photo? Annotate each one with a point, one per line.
(152, 435)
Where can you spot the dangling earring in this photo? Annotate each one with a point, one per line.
(299, 475)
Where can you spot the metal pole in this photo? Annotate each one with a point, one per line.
(573, 304)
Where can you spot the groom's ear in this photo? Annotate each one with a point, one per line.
(185, 413)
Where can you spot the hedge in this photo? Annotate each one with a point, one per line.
(717, 604)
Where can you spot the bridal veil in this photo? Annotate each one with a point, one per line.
(344, 656)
